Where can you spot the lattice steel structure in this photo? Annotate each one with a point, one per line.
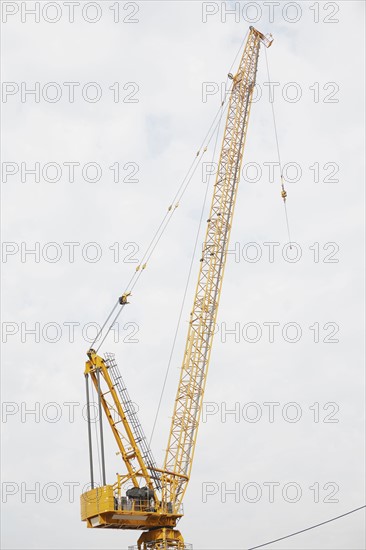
(188, 403)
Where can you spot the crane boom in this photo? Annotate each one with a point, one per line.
(189, 398)
(156, 507)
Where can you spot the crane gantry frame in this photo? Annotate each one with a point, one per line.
(153, 503)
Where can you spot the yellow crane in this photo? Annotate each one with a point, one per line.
(145, 497)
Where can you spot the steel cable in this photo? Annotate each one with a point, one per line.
(163, 225)
(308, 528)
(168, 215)
(186, 288)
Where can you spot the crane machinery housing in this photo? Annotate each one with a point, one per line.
(145, 497)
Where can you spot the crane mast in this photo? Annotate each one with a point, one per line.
(189, 398)
(156, 507)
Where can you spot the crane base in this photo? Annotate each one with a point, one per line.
(162, 539)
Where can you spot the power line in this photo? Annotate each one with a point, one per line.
(308, 528)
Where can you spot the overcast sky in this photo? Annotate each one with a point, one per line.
(170, 60)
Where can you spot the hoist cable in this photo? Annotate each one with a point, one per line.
(186, 288)
(187, 180)
(288, 225)
(178, 195)
(104, 324)
(156, 238)
(308, 528)
(164, 223)
(271, 100)
(284, 194)
(239, 50)
(111, 325)
(168, 215)
(143, 258)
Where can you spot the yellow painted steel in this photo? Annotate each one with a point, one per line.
(96, 501)
(189, 398)
(158, 516)
(102, 507)
(127, 445)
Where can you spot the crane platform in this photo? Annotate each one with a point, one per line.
(101, 508)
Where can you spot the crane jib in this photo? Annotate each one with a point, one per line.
(185, 422)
